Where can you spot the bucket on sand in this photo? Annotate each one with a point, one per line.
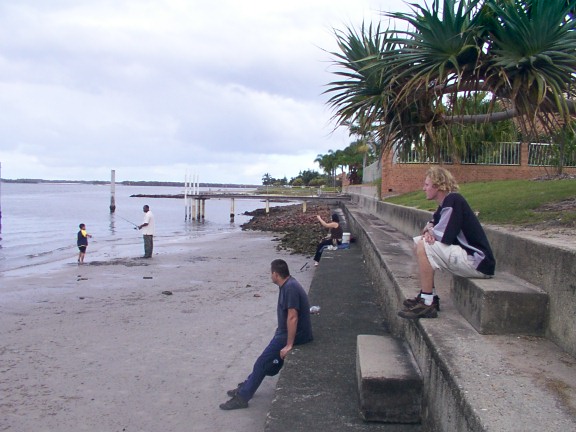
(345, 238)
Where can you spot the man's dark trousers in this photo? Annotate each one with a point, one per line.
(258, 374)
(148, 245)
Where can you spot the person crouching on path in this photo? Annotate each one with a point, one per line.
(334, 237)
(147, 228)
(82, 242)
(453, 240)
(294, 328)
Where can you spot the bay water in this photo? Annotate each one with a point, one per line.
(40, 222)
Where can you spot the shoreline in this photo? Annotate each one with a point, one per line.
(100, 347)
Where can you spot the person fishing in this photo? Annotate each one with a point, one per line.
(334, 237)
(147, 228)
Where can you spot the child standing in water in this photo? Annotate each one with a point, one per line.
(82, 243)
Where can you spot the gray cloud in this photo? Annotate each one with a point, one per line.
(229, 90)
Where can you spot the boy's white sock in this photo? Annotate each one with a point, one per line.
(428, 298)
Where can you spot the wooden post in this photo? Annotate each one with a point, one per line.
(267, 207)
(186, 196)
(113, 192)
(203, 208)
(304, 207)
(232, 210)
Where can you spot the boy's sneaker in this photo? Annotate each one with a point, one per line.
(420, 310)
(235, 403)
(410, 303)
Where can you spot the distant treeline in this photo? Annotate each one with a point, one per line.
(130, 183)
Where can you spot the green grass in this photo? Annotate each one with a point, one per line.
(511, 202)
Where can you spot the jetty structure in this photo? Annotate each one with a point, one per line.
(195, 201)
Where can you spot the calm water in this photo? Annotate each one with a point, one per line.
(40, 222)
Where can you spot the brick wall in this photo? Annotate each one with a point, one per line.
(400, 178)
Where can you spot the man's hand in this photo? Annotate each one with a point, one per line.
(291, 325)
(284, 351)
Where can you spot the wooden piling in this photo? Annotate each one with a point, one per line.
(232, 210)
(185, 197)
(113, 192)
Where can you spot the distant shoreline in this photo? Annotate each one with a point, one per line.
(129, 183)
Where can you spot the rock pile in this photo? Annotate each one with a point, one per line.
(300, 232)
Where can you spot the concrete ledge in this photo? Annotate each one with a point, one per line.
(505, 304)
(389, 381)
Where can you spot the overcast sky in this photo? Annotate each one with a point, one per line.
(225, 89)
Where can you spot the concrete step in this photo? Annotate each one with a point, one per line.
(389, 381)
(504, 304)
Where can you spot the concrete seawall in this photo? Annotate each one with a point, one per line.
(553, 269)
(473, 382)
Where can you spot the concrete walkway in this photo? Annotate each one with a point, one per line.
(317, 389)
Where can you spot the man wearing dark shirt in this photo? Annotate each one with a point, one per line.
(294, 328)
(453, 240)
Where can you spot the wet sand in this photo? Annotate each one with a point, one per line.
(101, 347)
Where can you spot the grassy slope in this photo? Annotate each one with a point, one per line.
(515, 202)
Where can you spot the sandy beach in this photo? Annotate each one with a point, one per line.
(101, 347)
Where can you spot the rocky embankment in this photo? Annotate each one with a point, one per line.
(298, 232)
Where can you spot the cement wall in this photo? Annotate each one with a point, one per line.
(553, 269)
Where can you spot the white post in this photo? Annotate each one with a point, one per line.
(186, 195)
(113, 192)
(193, 196)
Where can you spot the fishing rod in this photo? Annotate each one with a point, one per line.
(130, 222)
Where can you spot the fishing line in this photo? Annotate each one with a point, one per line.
(130, 222)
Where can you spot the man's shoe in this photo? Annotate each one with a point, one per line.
(235, 403)
(421, 310)
(410, 303)
(234, 392)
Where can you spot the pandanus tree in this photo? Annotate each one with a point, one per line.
(412, 84)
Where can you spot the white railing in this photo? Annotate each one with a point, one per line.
(505, 153)
(543, 154)
(415, 156)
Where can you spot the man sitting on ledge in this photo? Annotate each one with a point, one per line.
(453, 240)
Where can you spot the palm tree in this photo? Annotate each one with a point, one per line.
(521, 53)
(328, 163)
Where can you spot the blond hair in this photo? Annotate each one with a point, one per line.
(442, 179)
